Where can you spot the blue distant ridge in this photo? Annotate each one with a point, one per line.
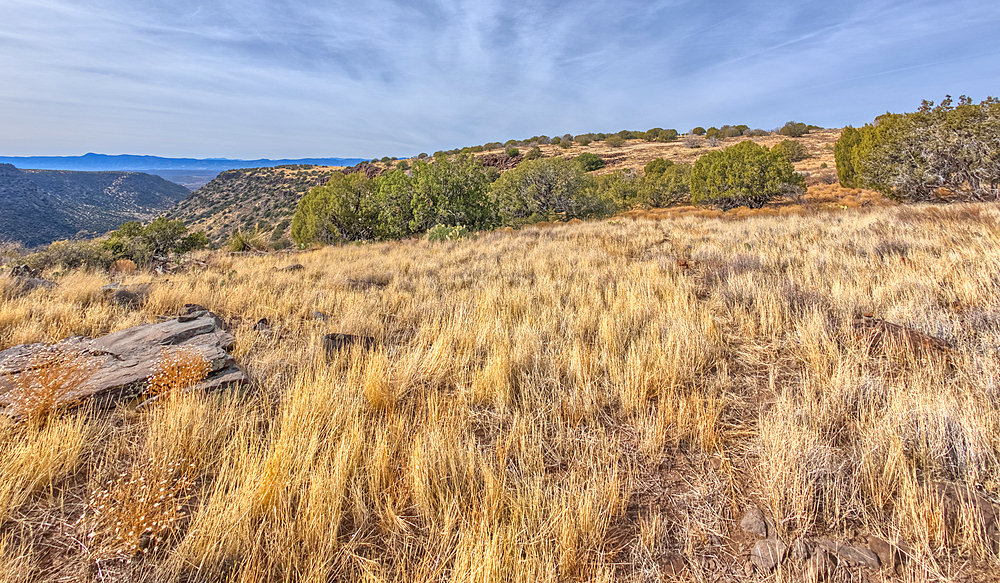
(131, 163)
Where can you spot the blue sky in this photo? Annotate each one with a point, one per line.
(291, 78)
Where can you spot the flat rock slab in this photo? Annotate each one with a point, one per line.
(123, 361)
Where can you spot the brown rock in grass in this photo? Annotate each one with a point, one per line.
(119, 364)
(753, 522)
(767, 554)
(882, 338)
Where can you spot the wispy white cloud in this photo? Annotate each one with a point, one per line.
(288, 78)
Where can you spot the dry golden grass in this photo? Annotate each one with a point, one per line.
(587, 402)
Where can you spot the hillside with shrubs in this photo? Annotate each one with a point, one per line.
(698, 358)
(41, 206)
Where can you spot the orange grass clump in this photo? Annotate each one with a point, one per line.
(43, 387)
(177, 370)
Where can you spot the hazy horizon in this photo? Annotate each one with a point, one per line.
(291, 79)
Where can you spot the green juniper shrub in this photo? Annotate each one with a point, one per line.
(746, 174)
(589, 162)
(548, 189)
(533, 154)
(792, 150)
(566, 144)
(583, 140)
(513, 152)
(622, 187)
(615, 141)
(161, 237)
(657, 166)
(794, 129)
(911, 157)
(713, 132)
(668, 185)
(556, 141)
(402, 165)
(698, 131)
(89, 254)
(843, 152)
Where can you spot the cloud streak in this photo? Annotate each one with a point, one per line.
(290, 78)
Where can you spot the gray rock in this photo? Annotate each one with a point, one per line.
(125, 299)
(888, 554)
(336, 342)
(800, 550)
(123, 361)
(753, 522)
(767, 554)
(25, 271)
(22, 286)
(855, 556)
(293, 267)
(820, 566)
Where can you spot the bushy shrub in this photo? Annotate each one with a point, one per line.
(911, 157)
(589, 162)
(792, 150)
(756, 133)
(341, 210)
(843, 152)
(159, 238)
(556, 141)
(548, 189)
(422, 156)
(746, 174)
(567, 138)
(90, 254)
(713, 142)
(713, 132)
(533, 154)
(668, 186)
(614, 141)
(622, 187)
(667, 135)
(402, 165)
(513, 152)
(698, 131)
(583, 140)
(447, 233)
(729, 131)
(794, 129)
(566, 144)
(657, 166)
(693, 142)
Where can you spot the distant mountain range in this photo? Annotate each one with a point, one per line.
(189, 172)
(41, 206)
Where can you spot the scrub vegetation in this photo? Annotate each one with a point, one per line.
(598, 401)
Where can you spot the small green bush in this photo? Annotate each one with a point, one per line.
(566, 144)
(713, 132)
(657, 167)
(533, 154)
(513, 153)
(794, 129)
(843, 152)
(746, 174)
(160, 237)
(72, 255)
(698, 131)
(402, 165)
(446, 233)
(583, 140)
(792, 150)
(589, 162)
(666, 187)
(615, 141)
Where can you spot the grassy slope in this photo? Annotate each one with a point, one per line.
(555, 404)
